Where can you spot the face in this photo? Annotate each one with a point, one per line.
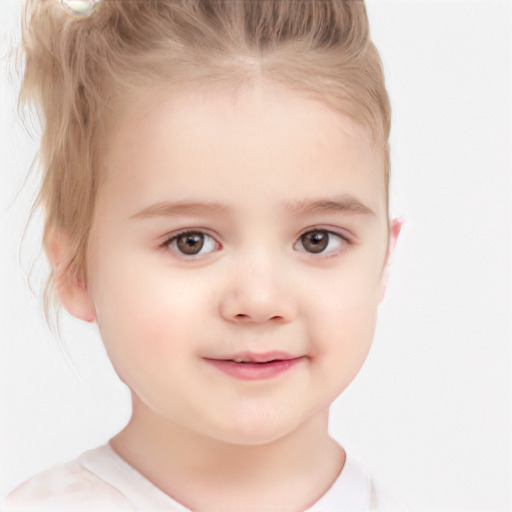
(237, 259)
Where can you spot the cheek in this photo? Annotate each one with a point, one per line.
(343, 320)
(141, 313)
(346, 319)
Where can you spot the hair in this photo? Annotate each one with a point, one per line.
(79, 71)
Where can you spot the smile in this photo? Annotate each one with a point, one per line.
(255, 366)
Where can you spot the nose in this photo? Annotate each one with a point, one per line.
(258, 292)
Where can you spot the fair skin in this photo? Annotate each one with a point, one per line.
(285, 202)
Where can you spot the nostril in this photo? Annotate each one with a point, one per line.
(243, 310)
(246, 317)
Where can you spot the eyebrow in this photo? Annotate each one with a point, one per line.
(345, 203)
(174, 208)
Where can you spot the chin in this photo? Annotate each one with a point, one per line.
(251, 438)
(255, 431)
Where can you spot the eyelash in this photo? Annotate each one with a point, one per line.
(190, 232)
(172, 241)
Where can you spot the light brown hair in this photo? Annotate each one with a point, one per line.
(80, 71)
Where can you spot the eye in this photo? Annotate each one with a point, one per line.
(191, 243)
(319, 241)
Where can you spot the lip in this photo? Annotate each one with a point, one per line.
(253, 366)
(255, 357)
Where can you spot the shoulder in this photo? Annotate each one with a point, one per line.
(356, 490)
(382, 501)
(374, 497)
(65, 487)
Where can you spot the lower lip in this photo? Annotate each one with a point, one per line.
(254, 371)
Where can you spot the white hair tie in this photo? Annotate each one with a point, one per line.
(79, 8)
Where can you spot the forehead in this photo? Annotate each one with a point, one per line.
(263, 138)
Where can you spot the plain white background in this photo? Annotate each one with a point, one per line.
(430, 413)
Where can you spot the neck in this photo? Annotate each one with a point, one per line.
(202, 473)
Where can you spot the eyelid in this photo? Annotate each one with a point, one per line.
(170, 237)
(345, 238)
(342, 233)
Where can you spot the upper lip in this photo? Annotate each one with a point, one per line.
(254, 357)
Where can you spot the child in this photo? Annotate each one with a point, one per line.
(216, 198)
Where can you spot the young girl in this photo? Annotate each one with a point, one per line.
(215, 189)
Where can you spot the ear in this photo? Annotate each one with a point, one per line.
(71, 289)
(394, 232)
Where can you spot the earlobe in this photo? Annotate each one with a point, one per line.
(71, 288)
(395, 229)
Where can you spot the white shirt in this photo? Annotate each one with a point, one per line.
(101, 481)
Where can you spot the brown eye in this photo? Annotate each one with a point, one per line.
(191, 243)
(315, 241)
(320, 241)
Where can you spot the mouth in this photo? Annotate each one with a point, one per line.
(253, 366)
(258, 358)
